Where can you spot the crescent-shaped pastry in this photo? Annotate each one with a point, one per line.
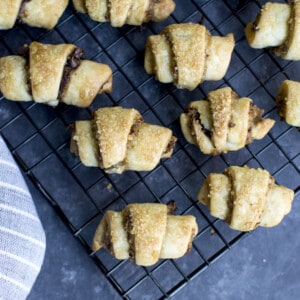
(118, 139)
(36, 13)
(145, 232)
(246, 198)
(186, 54)
(52, 73)
(224, 122)
(121, 12)
(277, 26)
(288, 102)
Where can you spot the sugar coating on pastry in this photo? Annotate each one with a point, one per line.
(187, 54)
(37, 13)
(224, 122)
(121, 141)
(145, 232)
(51, 74)
(121, 12)
(246, 198)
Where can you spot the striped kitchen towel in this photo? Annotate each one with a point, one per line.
(22, 237)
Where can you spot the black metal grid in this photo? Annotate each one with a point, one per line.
(39, 137)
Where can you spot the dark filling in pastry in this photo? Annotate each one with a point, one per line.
(22, 9)
(255, 114)
(106, 240)
(73, 62)
(189, 247)
(171, 206)
(73, 144)
(231, 197)
(97, 137)
(107, 15)
(280, 103)
(254, 27)
(195, 115)
(283, 49)
(149, 13)
(170, 146)
(130, 237)
(24, 52)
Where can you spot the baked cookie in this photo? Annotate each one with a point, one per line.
(36, 13)
(121, 12)
(145, 232)
(224, 122)
(117, 139)
(186, 54)
(53, 73)
(277, 26)
(246, 198)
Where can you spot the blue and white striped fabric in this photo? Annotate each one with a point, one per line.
(22, 238)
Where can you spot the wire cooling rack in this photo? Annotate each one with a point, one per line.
(39, 137)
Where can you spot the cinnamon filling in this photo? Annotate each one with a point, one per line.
(73, 62)
(189, 247)
(255, 114)
(24, 52)
(73, 144)
(195, 115)
(22, 9)
(171, 206)
(170, 146)
(97, 137)
(230, 199)
(254, 27)
(130, 237)
(106, 240)
(281, 107)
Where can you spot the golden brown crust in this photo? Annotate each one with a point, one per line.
(143, 156)
(8, 13)
(278, 26)
(46, 69)
(288, 102)
(13, 78)
(145, 232)
(246, 198)
(124, 141)
(186, 54)
(53, 73)
(113, 125)
(43, 13)
(88, 80)
(83, 143)
(224, 122)
(120, 12)
(188, 44)
(37, 13)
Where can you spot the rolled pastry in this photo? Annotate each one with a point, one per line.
(224, 122)
(277, 26)
(288, 102)
(186, 54)
(131, 12)
(36, 13)
(118, 139)
(145, 232)
(246, 198)
(52, 73)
